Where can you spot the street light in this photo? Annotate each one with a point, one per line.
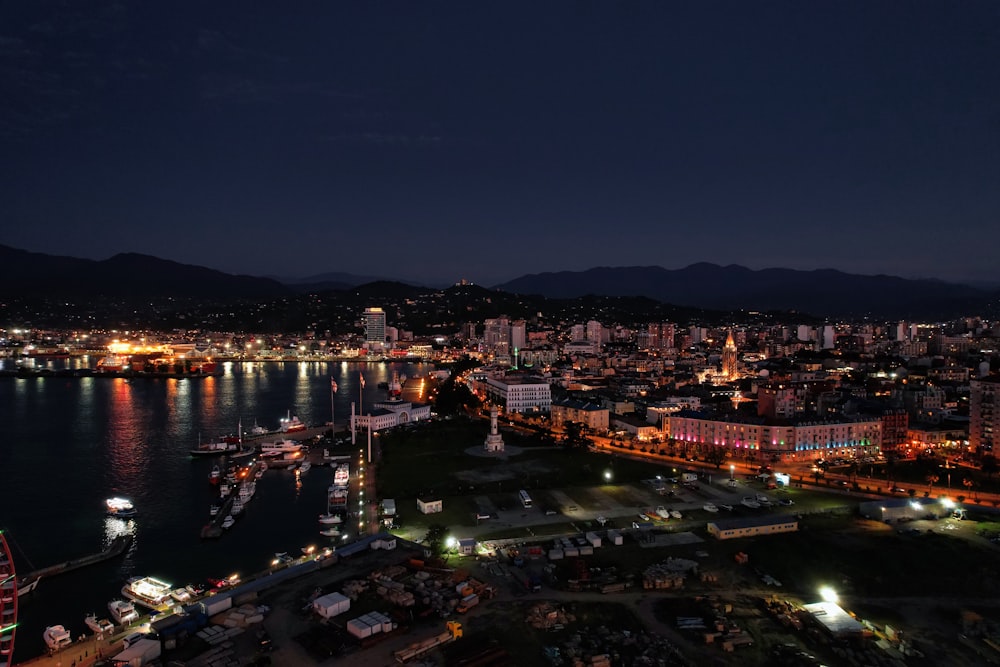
(732, 472)
(828, 594)
(607, 476)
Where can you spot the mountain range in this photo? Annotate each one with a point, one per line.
(821, 293)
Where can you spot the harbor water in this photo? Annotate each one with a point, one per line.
(72, 442)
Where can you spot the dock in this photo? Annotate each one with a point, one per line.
(116, 548)
(213, 528)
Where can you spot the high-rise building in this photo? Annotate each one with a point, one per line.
(984, 414)
(374, 321)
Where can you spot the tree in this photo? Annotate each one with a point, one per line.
(931, 479)
(989, 465)
(716, 455)
(574, 437)
(435, 538)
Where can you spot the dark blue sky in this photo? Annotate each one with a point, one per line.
(433, 141)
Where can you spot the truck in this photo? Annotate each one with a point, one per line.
(453, 631)
(467, 603)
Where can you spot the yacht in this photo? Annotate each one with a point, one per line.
(123, 612)
(57, 637)
(120, 507)
(99, 625)
(280, 447)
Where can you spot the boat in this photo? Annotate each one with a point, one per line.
(663, 512)
(280, 447)
(305, 466)
(215, 476)
(182, 595)
(147, 591)
(258, 430)
(26, 585)
(57, 637)
(237, 507)
(342, 475)
(225, 488)
(330, 532)
(119, 507)
(214, 509)
(675, 514)
(710, 507)
(228, 522)
(291, 423)
(98, 625)
(226, 445)
(329, 518)
(337, 496)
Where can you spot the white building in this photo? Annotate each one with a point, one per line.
(519, 393)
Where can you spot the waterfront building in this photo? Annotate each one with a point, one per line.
(374, 323)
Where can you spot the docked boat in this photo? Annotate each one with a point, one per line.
(228, 522)
(304, 466)
(291, 423)
(122, 508)
(280, 447)
(330, 532)
(337, 496)
(99, 625)
(57, 637)
(675, 514)
(237, 507)
(123, 611)
(147, 591)
(186, 594)
(215, 476)
(226, 445)
(330, 518)
(342, 475)
(710, 507)
(214, 509)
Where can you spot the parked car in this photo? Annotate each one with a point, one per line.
(786, 502)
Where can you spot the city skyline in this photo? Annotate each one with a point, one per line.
(434, 144)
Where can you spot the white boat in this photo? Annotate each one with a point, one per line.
(57, 637)
(182, 595)
(147, 591)
(330, 532)
(237, 507)
(228, 522)
(305, 466)
(675, 514)
(213, 510)
(663, 512)
(99, 625)
(123, 612)
(342, 475)
(120, 507)
(709, 507)
(329, 518)
(279, 447)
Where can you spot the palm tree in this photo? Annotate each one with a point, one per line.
(931, 479)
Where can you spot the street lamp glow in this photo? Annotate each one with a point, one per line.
(607, 475)
(828, 594)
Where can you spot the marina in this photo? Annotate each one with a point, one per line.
(135, 445)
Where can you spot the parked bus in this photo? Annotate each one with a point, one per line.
(525, 498)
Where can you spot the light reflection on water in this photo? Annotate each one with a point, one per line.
(72, 442)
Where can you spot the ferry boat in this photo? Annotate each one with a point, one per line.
(123, 612)
(121, 508)
(98, 625)
(337, 496)
(57, 637)
(147, 591)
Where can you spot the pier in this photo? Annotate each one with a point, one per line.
(116, 548)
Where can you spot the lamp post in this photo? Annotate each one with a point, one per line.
(732, 472)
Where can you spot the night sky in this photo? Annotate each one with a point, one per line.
(434, 141)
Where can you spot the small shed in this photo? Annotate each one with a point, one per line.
(467, 546)
(430, 506)
(331, 604)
